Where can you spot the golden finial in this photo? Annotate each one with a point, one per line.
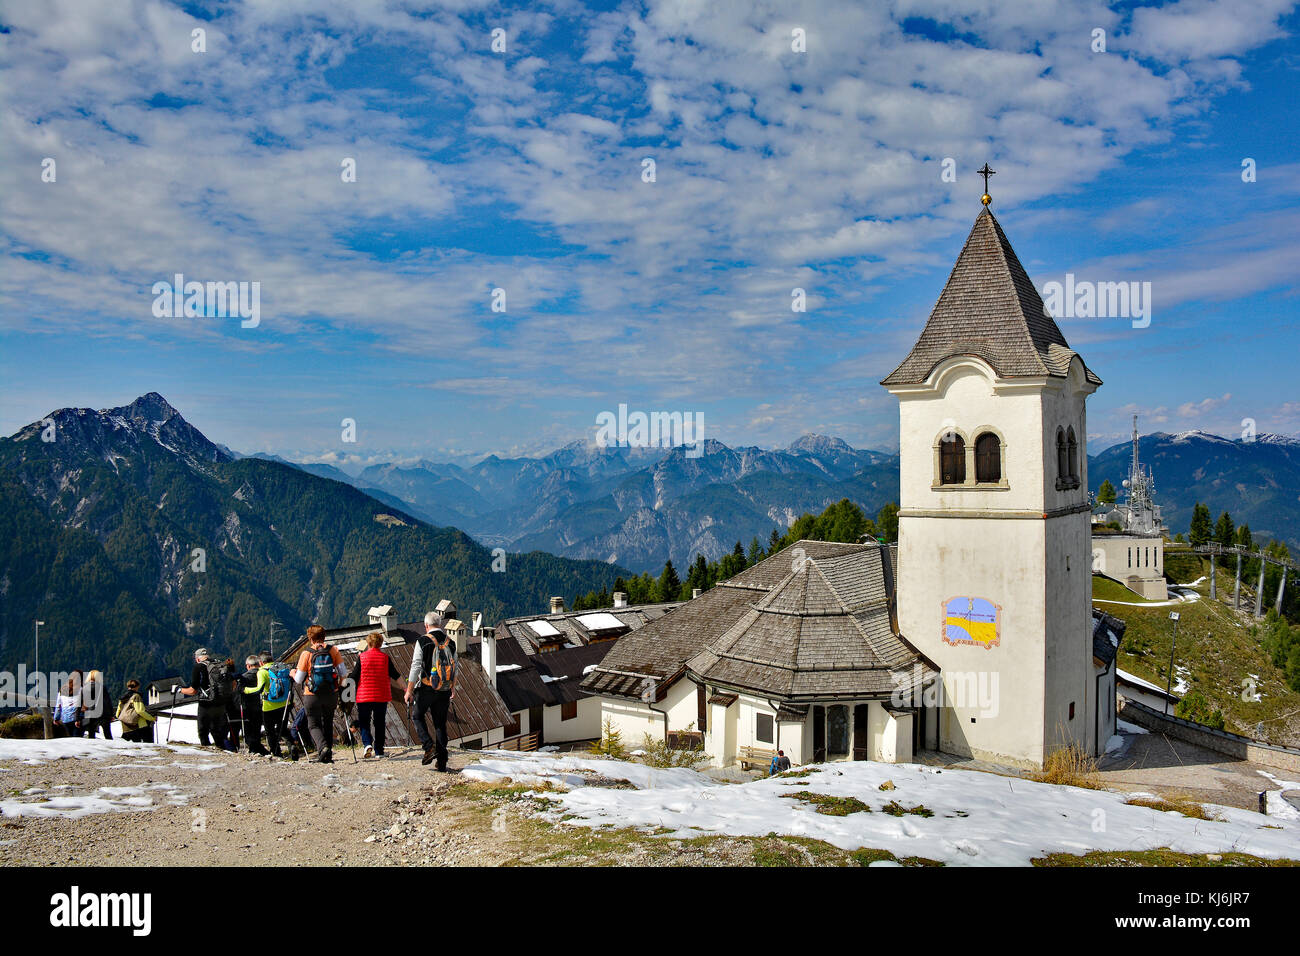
(986, 173)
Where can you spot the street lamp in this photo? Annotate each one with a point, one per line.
(39, 679)
(1173, 616)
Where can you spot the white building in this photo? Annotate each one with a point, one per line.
(977, 636)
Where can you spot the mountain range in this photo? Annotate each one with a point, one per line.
(640, 507)
(1257, 481)
(635, 507)
(135, 539)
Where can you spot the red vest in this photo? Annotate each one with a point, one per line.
(374, 686)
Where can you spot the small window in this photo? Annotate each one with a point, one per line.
(952, 460)
(1072, 710)
(763, 730)
(988, 458)
(475, 744)
(569, 710)
(1072, 449)
(1062, 459)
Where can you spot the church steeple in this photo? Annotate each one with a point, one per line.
(990, 309)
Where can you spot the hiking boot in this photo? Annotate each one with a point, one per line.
(428, 757)
(370, 752)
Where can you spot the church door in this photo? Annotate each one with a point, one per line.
(861, 732)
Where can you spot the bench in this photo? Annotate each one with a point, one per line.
(754, 757)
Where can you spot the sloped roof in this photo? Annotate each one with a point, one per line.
(1107, 634)
(573, 632)
(661, 649)
(824, 631)
(990, 309)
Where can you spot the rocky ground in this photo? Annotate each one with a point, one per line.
(190, 806)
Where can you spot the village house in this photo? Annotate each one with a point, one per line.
(976, 635)
(537, 663)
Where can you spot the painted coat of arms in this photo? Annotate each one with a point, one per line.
(971, 620)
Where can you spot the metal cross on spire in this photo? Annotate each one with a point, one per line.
(986, 173)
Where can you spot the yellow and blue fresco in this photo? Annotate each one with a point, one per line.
(971, 620)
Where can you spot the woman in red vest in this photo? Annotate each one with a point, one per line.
(373, 676)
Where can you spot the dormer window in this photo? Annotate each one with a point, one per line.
(952, 460)
(988, 458)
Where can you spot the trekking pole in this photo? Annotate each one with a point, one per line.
(352, 744)
(171, 716)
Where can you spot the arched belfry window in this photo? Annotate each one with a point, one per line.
(1073, 452)
(1062, 460)
(952, 459)
(988, 458)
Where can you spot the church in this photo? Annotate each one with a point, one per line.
(974, 635)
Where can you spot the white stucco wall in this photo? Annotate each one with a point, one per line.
(585, 726)
(1136, 561)
(634, 719)
(1009, 702)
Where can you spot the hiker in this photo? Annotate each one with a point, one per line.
(96, 713)
(298, 733)
(432, 685)
(271, 684)
(137, 722)
(373, 676)
(250, 710)
(780, 764)
(210, 683)
(67, 709)
(320, 672)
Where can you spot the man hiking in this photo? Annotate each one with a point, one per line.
(320, 672)
(271, 685)
(248, 707)
(432, 685)
(211, 683)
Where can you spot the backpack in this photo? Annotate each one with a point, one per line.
(773, 770)
(439, 665)
(218, 689)
(277, 687)
(324, 676)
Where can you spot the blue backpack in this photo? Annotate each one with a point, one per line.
(277, 688)
(323, 673)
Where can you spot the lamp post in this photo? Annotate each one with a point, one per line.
(1173, 616)
(39, 679)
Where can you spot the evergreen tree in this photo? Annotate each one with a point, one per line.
(887, 522)
(755, 554)
(670, 585)
(1200, 531)
(1106, 493)
(698, 576)
(774, 542)
(1224, 531)
(1244, 540)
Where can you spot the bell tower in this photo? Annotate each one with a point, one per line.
(994, 569)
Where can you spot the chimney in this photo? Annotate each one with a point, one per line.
(489, 650)
(457, 632)
(695, 592)
(620, 599)
(383, 617)
(557, 605)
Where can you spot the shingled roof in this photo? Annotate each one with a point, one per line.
(825, 631)
(662, 647)
(990, 309)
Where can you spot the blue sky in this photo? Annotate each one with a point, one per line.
(522, 170)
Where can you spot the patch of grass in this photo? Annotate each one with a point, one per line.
(1070, 766)
(867, 855)
(798, 772)
(1160, 857)
(1108, 589)
(1177, 804)
(896, 809)
(830, 805)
